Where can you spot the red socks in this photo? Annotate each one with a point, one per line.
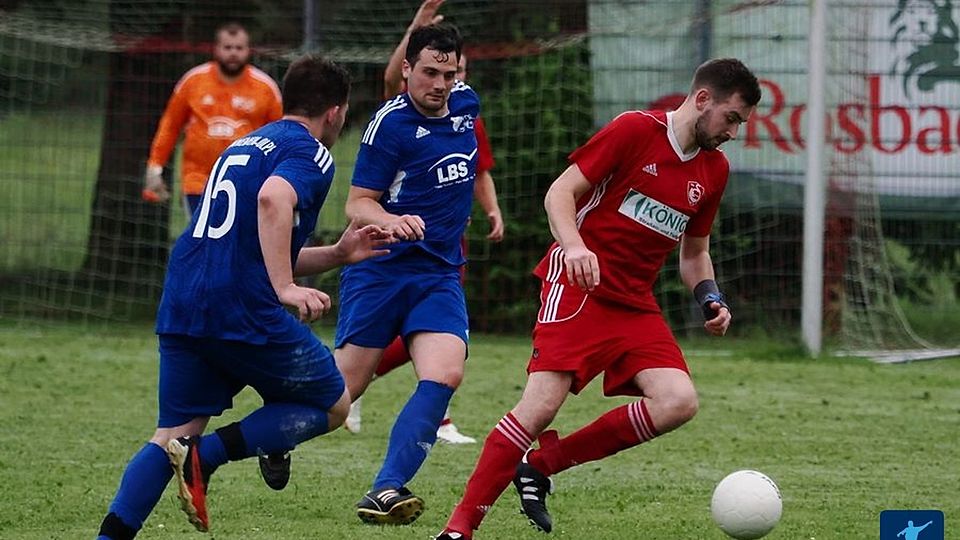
(619, 429)
(498, 461)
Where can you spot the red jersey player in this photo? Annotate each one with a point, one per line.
(645, 183)
(485, 193)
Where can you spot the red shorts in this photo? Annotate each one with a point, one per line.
(585, 335)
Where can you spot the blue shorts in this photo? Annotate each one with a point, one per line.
(379, 301)
(200, 376)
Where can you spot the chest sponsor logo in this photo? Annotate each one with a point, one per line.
(654, 215)
(462, 123)
(243, 103)
(221, 127)
(694, 192)
(453, 168)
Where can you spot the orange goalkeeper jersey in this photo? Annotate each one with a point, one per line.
(215, 113)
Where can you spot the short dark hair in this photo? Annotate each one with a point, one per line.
(314, 84)
(442, 37)
(725, 77)
(230, 28)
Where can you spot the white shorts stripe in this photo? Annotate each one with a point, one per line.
(555, 301)
(555, 267)
(545, 315)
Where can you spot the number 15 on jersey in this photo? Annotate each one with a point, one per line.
(217, 183)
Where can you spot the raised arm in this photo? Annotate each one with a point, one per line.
(583, 268)
(393, 74)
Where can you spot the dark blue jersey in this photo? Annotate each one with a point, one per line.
(217, 283)
(424, 166)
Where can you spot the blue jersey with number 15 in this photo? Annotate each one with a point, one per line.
(217, 284)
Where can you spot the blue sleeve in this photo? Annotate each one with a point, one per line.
(377, 160)
(310, 179)
(463, 100)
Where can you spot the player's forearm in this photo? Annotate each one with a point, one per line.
(366, 211)
(695, 267)
(485, 192)
(561, 207)
(316, 260)
(275, 226)
(168, 131)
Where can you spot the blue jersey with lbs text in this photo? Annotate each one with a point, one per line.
(217, 283)
(425, 166)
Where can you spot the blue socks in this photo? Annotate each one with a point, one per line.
(413, 435)
(144, 480)
(274, 428)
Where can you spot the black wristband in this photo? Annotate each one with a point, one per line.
(704, 288)
(706, 292)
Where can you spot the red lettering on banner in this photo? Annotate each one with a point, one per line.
(857, 138)
(795, 126)
(876, 111)
(943, 129)
(752, 140)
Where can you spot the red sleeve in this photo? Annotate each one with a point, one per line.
(602, 154)
(701, 223)
(484, 152)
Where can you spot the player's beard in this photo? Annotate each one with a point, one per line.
(231, 69)
(703, 139)
(434, 105)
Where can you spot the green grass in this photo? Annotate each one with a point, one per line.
(844, 440)
(48, 163)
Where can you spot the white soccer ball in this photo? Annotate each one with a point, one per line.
(746, 505)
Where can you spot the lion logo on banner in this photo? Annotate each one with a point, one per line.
(927, 39)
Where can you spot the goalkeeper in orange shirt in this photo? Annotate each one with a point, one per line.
(214, 103)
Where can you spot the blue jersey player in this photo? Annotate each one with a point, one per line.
(414, 177)
(222, 321)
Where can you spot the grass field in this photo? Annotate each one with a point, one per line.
(844, 440)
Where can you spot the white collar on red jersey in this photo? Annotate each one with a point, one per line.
(672, 136)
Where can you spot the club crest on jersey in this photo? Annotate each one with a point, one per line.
(462, 123)
(654, 215)
(694, 192)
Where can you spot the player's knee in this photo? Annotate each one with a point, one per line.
(450, 376)
(680, 407)
(160, 438)
(337, 414)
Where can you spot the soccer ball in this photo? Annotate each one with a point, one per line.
(746, 505)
